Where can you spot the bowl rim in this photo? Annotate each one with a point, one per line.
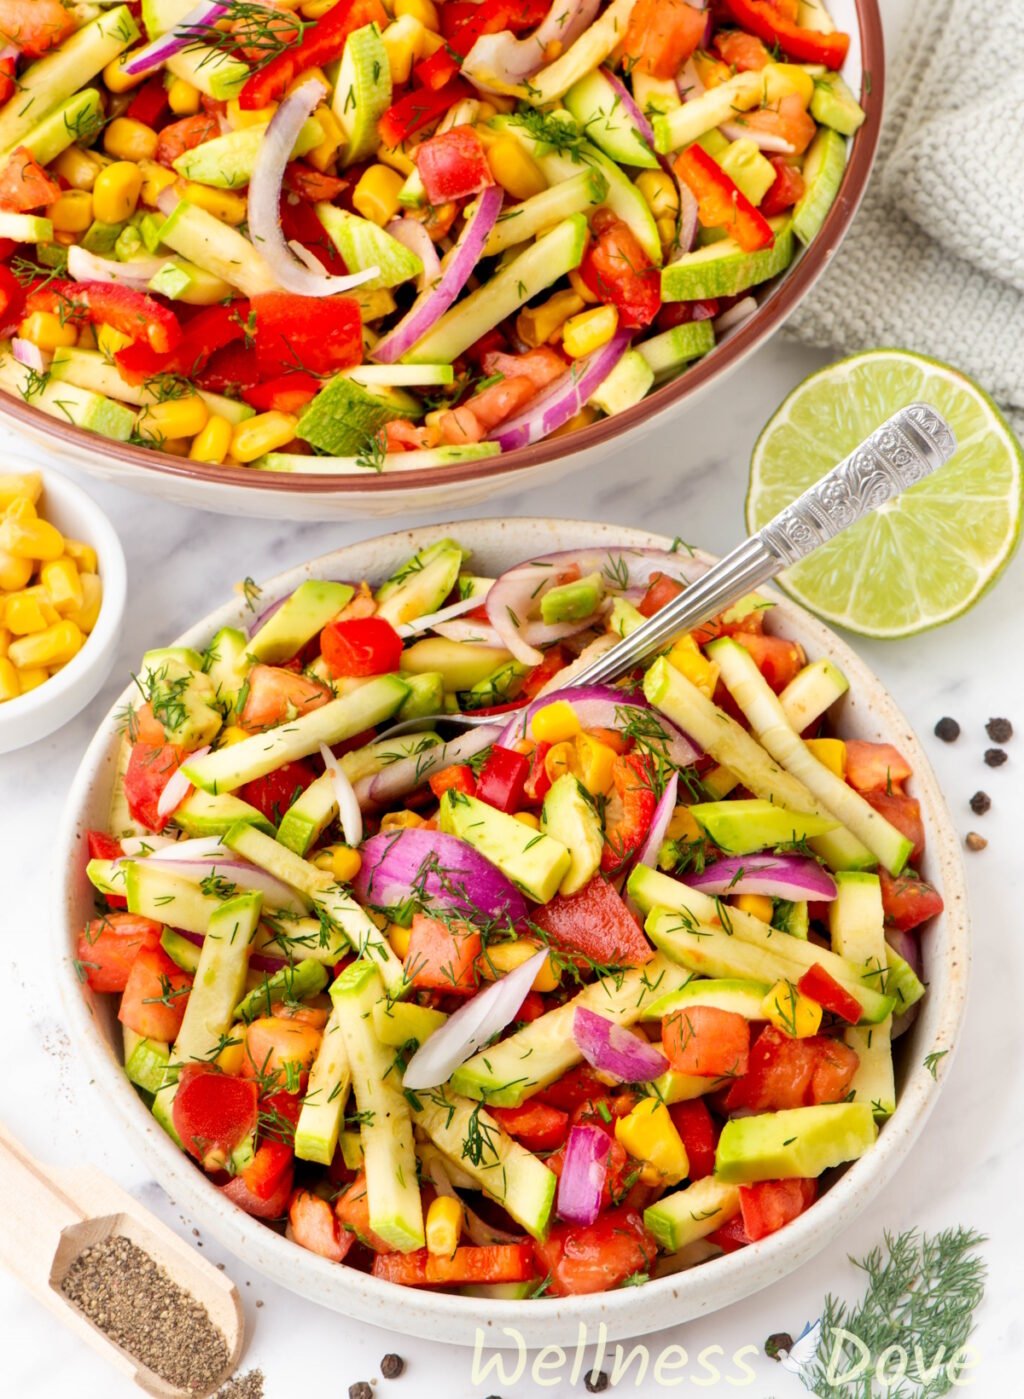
(781, 300)
(452, 1318)
(114, 577)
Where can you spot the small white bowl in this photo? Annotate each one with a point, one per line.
(51, 705)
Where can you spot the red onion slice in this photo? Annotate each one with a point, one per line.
(414, 236)
(457, 267)
(471, 1027)
(601, 707)
(399, 779)
(614, 1050)
(88, 267)
(265, 199)
(778, 876)
(441, 870)
(482, 633)
(584, 1169)
(628, 105)
(499, 61)
(763, 140)
(659, 823)
(28, 353)
(238, 872)
(909, 948)
(187, 32)
(736, 315)
(349, 814)
(178, 787)
(431, 621)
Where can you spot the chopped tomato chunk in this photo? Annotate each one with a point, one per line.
(908, 900)
(618, 271)
(213, 1112)
(313, 1224)
(875, 767)
(442, 955)
(707, 1042)
(818, 985)
(595, 1257)
(596, 924)
(777, 659)
(770, 1204)
(904, 813)
(487, 1263)
(155, 995)
(699, 1133)
(361, 646)
(274, 794)
(108, 946)
(535, 1124)
(24, 184)
(787, 1073)
(150, 768)
(661, 35)
(276, 695)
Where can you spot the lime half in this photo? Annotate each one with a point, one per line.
(924, 557)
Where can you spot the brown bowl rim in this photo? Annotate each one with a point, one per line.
(771, 314)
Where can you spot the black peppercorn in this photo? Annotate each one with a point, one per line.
(999, 730)
(947, 729)
(995, 757)
(596, 1383)
(360, 1391)
(392, 1366)
(782, 1340)
(980, 803)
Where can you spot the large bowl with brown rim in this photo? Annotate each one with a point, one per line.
(866, 712)
(275, 495)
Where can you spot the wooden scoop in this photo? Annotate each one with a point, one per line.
(52, 1215)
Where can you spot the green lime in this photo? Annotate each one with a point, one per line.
(928, 555)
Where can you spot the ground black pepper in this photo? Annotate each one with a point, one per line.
(995, 757)
(999, 730)
(980, 803)
(124, 1292)
(392, 1366)
(247, 1386)
(947, 729)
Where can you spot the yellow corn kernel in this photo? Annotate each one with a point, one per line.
(528, 818)
(127, 139)
(560, 759)
(72, 212)
(555, 723)
(515, 169)
(221, 203)
(313, 9)
(14, 573)
(402, 42)
(78, 167)
(423, 10)
(687, 657)
(401, 821)
(594, 760)
(155, 179)
(10, 685)
(795, 1015)
(240, 119)
(232, 1057)
(376, 194)
(54, 646)
(322, 156)
(345, 863)
(666, 231)
(5, 640)
(92, 599)
(173, 446)
(587, 332)
(183, 99)
(232, 734)
(33, 677)
(398, 158)
(45, 329)
(399, 938)
(117, 80)
(109, 340)
(443, 1224)
(31, 538)
(115, 195)
(831, 752)
(786, 80)
(22, 509)
(683, 825)
(173, 419)
(19, 485)
(503, 957)
(63, 584)
(757, 905)
(83, 554)
(660, 192)
(581, 289)
(539, 324)
(264, 433)
(213, 443)
(649, 1134)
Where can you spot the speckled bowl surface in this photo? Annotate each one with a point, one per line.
(865, 712)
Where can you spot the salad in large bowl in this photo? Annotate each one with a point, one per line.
(369, 236)
(607, 987)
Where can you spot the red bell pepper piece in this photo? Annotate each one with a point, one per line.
(12, 299)
(908, 900)
(463, 21)
(818, 985)
(149, 103)
(271, 1165)
(317, 335)
(106, 303)
(209, 330)
(231, 370)
(770, 1204)
(631, 777)
(800, 45)
(487, 1263)
(719, 203)
(458, 777)
(453, 165)
(418, 108)
(435, 71)
(502, 780)
(24, 184)
(696, 1127)
(287, 393)
(360, 646)
(538, 1126)
(212, 1111)
(619, 273)
(595, 924)
(320, 42)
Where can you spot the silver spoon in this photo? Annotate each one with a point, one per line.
(907, 447)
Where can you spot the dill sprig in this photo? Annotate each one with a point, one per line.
(260, 32)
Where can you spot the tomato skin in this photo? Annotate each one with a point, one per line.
(595, 923)
(661, 35)
(316, 335)
(483, 1263)
(538, 1126)
(699, 1133)
(442, 957)
(452, 164)
(595, 1257)
(108, 946)
(707, 1042)
(154, 976)
(457, 777)
(904, 813)
(787, 189)
(660, 592)
(618, 272)
(273, 1208)
(777, 659)
(770, 1204)
(418, 108)
(577, 1086)
(730, 1236)
(361, 646)
(908, 900)
(787, 1073)
(213, 1112)
(276, 694)
(313, 1225)
(875, 767)
(24, 184)
(818, 985)
(273, 794)
(150, 768)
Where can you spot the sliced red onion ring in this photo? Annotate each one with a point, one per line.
(188, 30)
(87, 267)
(399, 779)
(482, 633)
(628, 105)
(688, 224)
(778, 876)
(440, 869)
(29, 354)
(238, 872)
(499, 61)
(131, 846)
(736, 315)
(178, 787)
(564, 398)
(349, 814)
(614, 1050)
(659, 823)
(471, 1027)
(909, 948)
(688, 82)
(457, 267)
(584, 1169)
(601, 707)
(414, 236)
(763, 140)
(432, 619)
(265, 199)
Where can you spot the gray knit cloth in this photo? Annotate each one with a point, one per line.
(934, 260)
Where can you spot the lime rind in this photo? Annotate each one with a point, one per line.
(921, 560)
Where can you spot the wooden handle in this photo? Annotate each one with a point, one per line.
(36, 1213)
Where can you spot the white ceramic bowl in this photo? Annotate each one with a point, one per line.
(41, 711)
(867, 712)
